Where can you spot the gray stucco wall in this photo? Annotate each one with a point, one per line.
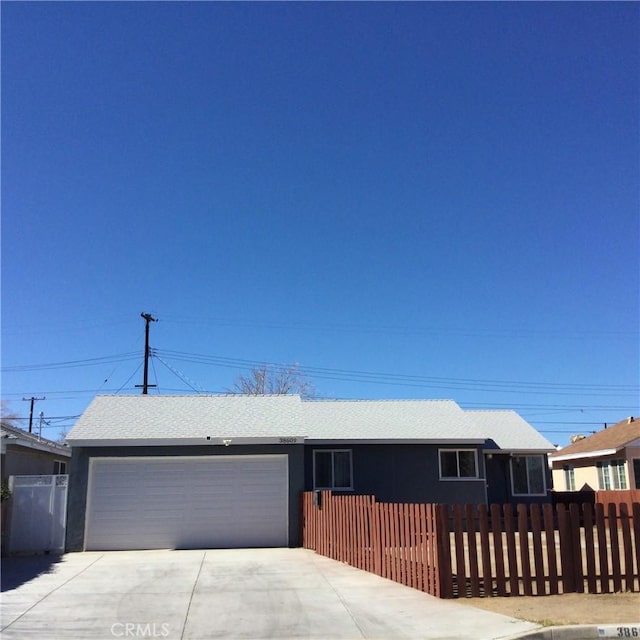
(20, 461)
(79, 475)
(499, 487)
(403, 473)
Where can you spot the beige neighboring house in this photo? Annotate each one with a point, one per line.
(607, 460)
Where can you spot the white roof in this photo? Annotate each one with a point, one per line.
(388, 420)
(509, 431)
(10, 435)
(186, 419)
(239, 419)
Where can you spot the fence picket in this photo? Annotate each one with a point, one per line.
(536, 530)
(574, 519)
(627, 549)
(615, 547)
(636, 535)
(474, 573)
(496, 530)
(512, 557)
(550, 539)
(432, 538)
(589, 548)
(395, 541)
(458, 538)
(602, 548)
(525, 560)
(444, 551)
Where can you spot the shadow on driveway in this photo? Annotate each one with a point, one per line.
(17, 570)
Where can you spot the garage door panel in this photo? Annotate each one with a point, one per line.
(217, 501)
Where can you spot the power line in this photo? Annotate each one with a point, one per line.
(88, 362)
(417, 381)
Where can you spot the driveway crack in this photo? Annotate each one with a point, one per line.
(195, 584)
(344, 604)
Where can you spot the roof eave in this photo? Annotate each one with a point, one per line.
(166, 442)
(520, 451)
(585, 454)
(37, 446)
(438, 441)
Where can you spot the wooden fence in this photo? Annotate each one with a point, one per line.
(454, 551)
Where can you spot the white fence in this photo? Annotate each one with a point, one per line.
(38, 513)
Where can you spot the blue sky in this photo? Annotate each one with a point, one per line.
(445, 194)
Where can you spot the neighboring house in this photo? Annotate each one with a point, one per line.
(228, 471)
(606, 460)
(26, 454)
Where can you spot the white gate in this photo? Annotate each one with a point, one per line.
(38, 513)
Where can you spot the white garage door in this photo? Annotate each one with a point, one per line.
(187, 502)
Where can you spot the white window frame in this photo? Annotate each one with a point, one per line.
(569, 477)
(544, 475)
(457, 478)
(332, 451)
(613, 473)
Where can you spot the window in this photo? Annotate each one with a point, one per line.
(332, 469)
(569, 477)
(612, 475)
(527, 475)
(636, 472)
(457, 464)
(59, 467)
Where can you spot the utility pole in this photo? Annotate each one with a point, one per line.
(148, 318)
(32, 400)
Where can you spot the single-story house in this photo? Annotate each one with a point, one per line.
(26, 454)
(606, 460)
(227, 471)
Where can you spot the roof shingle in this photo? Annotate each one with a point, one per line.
(613, 437)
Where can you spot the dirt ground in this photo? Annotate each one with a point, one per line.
(569, 608)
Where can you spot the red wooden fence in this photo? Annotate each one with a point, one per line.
(473, 550)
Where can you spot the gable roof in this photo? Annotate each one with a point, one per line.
(605, 442)
(509, 431)
(239, 419)
(11, 435)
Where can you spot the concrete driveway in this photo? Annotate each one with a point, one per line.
(235, 593)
